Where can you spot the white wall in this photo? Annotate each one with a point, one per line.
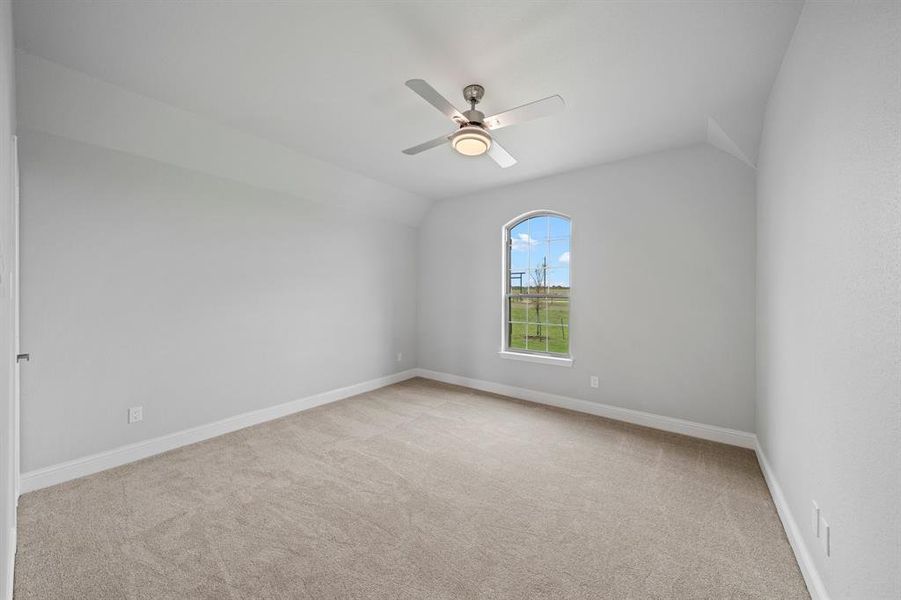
(196, 297)
(829, 284)
(173, 262)
(7, 323)
(663, 285)
(64, 102)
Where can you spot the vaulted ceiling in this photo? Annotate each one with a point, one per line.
(327, 79)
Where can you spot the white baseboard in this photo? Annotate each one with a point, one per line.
(73, 469)
(714, 433)
(808, 569)
(94, 463)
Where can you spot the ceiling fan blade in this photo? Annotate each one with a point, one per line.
(426, 145)
(430, 95)
(500, 156)
(526, 112)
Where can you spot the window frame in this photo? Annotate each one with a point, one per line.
(533, 356)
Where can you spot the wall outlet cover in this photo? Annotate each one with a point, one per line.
(816, 518)
(594, 381)
(135, 414)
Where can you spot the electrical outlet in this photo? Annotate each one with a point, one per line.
(827, 538)
(135, 414)
(400, 356)
(594, 381)
(816, 518)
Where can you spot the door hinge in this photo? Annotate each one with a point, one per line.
(21, 357)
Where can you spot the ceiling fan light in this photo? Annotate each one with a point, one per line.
(471, 141)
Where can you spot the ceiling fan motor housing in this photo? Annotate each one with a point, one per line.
(475, 117)
(473, 93)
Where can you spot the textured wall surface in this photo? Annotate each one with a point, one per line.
(7, 265)
(829, 284)
(195, 297)
(663, 285)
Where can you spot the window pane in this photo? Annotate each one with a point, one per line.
(558, 253)
(520, 230)
(558, 311)
(538, 228)
(520, 236)
(560, 227)
(539, 271)
(519, 258)
(558, 339)
(516, 310)
(537, 339)
(558, 282)
(537, 310)
(530, 310)
(519, 282)
(520, 247)
(517, 335)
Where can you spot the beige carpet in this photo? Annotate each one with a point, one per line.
(419, 491)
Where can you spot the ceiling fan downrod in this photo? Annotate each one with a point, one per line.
(473, 93)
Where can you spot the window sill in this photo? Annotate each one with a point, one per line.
(559, 361)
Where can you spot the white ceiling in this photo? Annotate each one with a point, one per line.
(327, 79)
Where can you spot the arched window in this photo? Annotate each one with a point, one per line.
(537, 262)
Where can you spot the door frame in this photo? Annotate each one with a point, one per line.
(14, 282)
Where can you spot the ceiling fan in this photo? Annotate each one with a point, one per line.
(472, 138)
